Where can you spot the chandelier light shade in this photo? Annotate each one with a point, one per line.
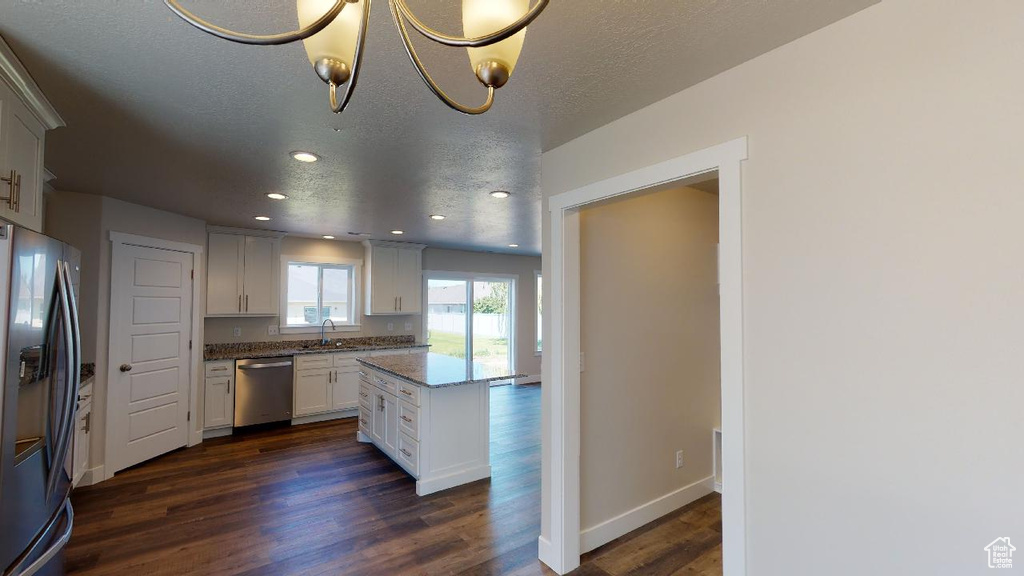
(481, 17)
(334, 34)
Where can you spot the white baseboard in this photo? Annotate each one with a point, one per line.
(350, 413)
(360, 437)
(92, 476)
(438, 483)
(218, 432)
(531, 379)
(625, 523)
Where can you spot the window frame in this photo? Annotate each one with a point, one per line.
(355, 283)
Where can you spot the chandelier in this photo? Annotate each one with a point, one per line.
(334, 33)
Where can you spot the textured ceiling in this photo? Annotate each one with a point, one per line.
(163, 115)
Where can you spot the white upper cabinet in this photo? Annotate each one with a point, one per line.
(260, 283)
(242, 274)
(25, 116)
(224, 273)
(394, 278)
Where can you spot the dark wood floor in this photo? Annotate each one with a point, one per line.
(311, 500)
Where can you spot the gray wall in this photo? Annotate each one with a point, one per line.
(882, 260)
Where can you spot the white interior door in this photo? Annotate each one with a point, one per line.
(151, 300)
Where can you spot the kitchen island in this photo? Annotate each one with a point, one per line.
(430, 414)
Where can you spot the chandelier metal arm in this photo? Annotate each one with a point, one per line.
(337, 106)
(397, 15)
(463, 42)
(256, 39)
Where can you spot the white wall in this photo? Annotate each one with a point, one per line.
(882, 281)
(85, 221)
(221, 330)
(523, 268)
(650, 334)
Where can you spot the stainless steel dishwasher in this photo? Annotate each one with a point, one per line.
(263, 390)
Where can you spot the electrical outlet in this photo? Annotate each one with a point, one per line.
(408, 326)
(237, 332)
(272, 330)
(679, 459)
(391, 326)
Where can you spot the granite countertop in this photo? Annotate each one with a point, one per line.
(435, 370)
(236, 351)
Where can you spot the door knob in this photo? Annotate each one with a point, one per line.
(126, 367)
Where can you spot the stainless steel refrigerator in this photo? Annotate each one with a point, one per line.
(41, 347)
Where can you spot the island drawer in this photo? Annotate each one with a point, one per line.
(365, 374)
(409, 419)
(409, 392)
(386, 384)
(365, 394)
(408, 454)
(308, 361)
(220, 368)
(364, 420)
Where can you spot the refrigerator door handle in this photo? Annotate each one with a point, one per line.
(67, 417)
(75, 370)
(58, 544)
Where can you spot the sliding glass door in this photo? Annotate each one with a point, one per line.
(492, 325)
(472, 317)
(447, 317)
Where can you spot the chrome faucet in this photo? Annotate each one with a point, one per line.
(323, 340)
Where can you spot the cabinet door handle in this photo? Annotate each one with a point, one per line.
(246, 302)
(406, 418)
(229, 387)
(12, 182)
(329, 375)
(400, 306)
(239, 302)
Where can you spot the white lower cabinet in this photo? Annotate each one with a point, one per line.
(440, 436)
(313, 391)
(83, 431)
(219, 395)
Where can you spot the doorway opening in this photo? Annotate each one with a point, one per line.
(562, 540)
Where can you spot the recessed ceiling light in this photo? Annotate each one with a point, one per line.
(398, 232)
(276, 196)
(437, 216)
(305, 156)
(500, 194)
(513, 245)
(328, 237)
(262, 218)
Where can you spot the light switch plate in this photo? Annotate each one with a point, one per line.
(391, 326)
(272, 330)
(408, 326)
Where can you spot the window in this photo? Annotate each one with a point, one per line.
(540, 324)
(317, 291)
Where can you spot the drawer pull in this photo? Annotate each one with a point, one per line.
(364, 394)
(221, 369)
(362, 421)
(361, 373)
(406, 418)
(406, 392)
(406, 452)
